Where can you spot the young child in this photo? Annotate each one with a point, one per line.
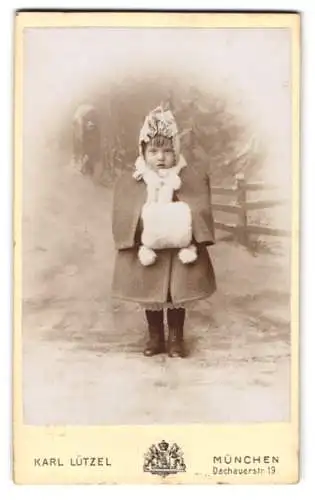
(162, 224)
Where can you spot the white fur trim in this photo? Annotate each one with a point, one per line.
(170, 178)
(137, 175)
(188, 255)
(166, 225)
(176, 182)
(147, 256)
(140, 168)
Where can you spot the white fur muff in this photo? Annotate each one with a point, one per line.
(166, 225)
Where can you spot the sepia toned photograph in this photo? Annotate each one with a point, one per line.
(156, 222)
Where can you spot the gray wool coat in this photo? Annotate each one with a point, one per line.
(168, 278)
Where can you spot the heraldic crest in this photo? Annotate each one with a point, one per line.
(163, 459)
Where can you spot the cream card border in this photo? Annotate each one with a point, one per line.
(124, 446)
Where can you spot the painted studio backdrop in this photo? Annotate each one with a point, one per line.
(86, 93)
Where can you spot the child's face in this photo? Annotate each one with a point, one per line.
(159, 153)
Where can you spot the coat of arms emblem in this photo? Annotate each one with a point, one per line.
(163, 459)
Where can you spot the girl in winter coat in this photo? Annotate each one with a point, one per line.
(162, 224)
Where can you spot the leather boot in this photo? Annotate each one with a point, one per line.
(175, 320)
(156, 342)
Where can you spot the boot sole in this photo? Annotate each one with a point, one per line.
(149, 353)
(177, 355)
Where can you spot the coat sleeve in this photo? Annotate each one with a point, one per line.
(211, 223)
(202, 214)
(126, 210)
(196, 191)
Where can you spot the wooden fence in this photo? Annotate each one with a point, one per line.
(242, 230)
